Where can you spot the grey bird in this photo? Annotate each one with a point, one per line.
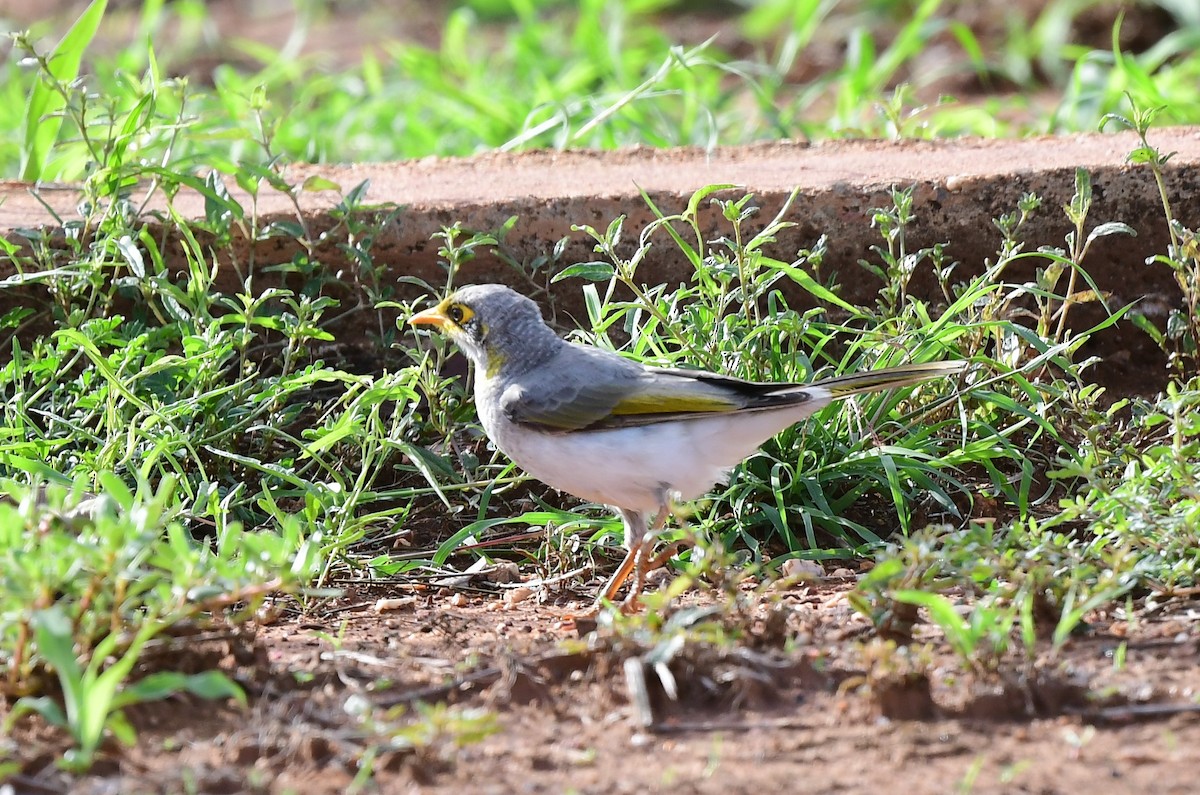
(611, 430)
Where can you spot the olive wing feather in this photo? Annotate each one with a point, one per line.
(594, 391)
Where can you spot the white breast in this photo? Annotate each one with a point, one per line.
(637, 468)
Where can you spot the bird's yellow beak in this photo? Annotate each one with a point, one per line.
(430, 317)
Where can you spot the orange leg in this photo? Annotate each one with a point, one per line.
(619, 577)
(638, 536)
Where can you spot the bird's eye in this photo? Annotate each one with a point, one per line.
(459, 314)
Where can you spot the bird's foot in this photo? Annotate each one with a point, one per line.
(644, 566)
(669, 551)
(637, 563)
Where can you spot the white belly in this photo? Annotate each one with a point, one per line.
(639, 468)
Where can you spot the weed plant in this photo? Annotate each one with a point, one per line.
(236, 452)
(1124, 523)
(900, 452)
(506, 76)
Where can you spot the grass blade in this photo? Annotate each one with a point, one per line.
(42, 119)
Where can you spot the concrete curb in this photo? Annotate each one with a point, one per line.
(960, 186)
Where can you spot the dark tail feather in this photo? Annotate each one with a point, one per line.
(888, 378)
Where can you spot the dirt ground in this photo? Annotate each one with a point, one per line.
(805, 700)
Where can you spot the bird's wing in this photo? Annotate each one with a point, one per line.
(590, 388)
(594, 389)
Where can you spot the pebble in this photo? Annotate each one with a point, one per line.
(518, 595)
(799, 567)
(395, 603)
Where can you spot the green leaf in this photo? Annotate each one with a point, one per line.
(42, 121)
(346, 426)
(316, 183)
(132, 256)
(941, 612)
(52, 630)
(1147, 325)
(216, 201)
(211, 685)
(430, 465)
(693, 204)
(45, 706)
(530, 518)
(1142, 155)
(283, 473)
(1177, 324)
(662, 220)
(811, 285)
(1111, 228)
(120, 727)
(589, 271)
(447, 547)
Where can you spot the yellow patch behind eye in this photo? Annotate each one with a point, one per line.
(456, 313)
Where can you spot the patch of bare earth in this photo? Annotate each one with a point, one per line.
(804, 701)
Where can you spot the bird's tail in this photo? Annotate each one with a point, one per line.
(889, 378)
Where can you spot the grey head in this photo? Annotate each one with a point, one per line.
(497, 327)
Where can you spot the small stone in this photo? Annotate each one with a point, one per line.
(955, 182)
(504, 572)
(518, 595)
(388, 604)
(801, 568)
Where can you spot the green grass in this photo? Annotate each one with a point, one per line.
(514, 80)
(236, 454)
(105, 576)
